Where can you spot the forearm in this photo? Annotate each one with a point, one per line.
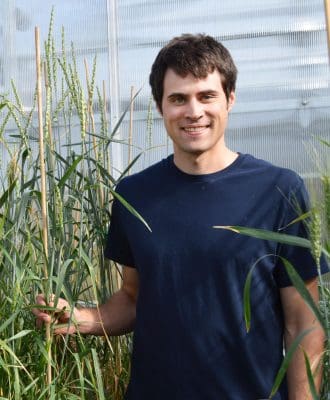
(313, 346)
(115, 317)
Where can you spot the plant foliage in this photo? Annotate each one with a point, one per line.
(80, 191)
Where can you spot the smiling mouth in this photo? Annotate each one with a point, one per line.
(195, 129)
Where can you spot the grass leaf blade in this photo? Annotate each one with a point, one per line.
(311, 382)
(69, 171)
(299, 284)
(268, 235)
(247, 300)
(130, 208)
(286, 361)
(98, 375)
(7, 193)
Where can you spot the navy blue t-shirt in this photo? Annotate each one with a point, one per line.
(190, 340)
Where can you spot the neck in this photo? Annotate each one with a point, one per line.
(202, 164)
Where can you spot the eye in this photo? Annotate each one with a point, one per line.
(207, 97)
(177, 100)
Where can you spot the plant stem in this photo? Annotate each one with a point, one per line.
(43, 191)
(130, 136)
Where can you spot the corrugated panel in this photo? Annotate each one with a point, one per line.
(85, 24)
(281, 52)
(279, 46)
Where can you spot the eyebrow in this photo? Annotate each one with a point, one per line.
(175, 94)
(202, 92)
(209, 91)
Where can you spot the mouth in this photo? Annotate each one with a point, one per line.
(195, 129)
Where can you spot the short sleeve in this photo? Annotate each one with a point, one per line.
(301, 258)
(117, 246)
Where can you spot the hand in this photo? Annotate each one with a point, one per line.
(64, 320)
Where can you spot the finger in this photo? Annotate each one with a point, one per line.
(58, 306)
(39, 323)
(41, 299)
(39, 313)
(64, 330)
(62, 304)
(41, 317)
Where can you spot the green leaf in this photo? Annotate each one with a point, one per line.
(246, 295)
(268, 235)
(5, 253)
(127, 169)
(61, 277)
(118, 124)
(7, 193)
(4, 347)
(247, 299)
(310, 377)
(299, 284)
(130, 208)
(98, 373)
(69, 171)
(104, 172)
(19, 335)
(28, 387)
(286, 361)
(91, 269)
(301, 217)
(78, 363)
(6, 323)
(43, 307)
(325, 142)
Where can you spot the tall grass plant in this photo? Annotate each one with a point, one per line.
(79, 186)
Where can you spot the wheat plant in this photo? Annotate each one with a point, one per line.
(79, 188)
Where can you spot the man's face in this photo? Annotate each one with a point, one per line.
(195, 113)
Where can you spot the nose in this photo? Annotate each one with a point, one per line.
(194, 110)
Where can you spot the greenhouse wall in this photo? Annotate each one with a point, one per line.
(280, 48)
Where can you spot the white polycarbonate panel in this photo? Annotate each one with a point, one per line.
(279, 47)
(85, 24)
(281, 53)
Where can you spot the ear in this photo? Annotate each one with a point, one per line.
(231, 101)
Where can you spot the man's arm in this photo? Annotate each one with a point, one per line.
(115, 317)
(298, 317)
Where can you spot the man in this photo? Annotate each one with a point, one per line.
(182, 290)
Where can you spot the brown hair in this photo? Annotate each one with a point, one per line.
(198, 55)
